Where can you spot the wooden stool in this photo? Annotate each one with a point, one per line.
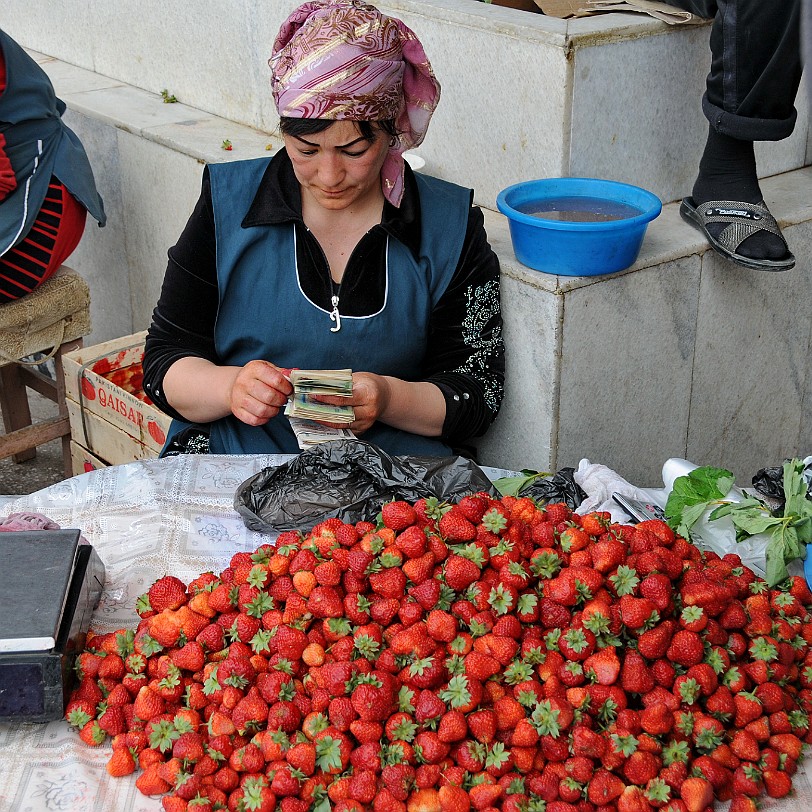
(52, 319)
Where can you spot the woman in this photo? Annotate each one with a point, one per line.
(333, 254)
(46, 183)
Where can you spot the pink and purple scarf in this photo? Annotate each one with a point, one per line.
(343, 59)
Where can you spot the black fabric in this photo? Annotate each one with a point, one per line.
(24, 267)
(727, 171)
(755, 66)
(183, 321)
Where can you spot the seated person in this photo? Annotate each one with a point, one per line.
(750, 94)
(333, 254)
(46, 183)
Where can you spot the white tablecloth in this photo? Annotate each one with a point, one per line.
(147, 519)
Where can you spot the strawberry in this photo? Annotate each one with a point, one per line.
(608, 555)
(190, 657)
(552, 614)
(460, 572)
(637, 612)
(374, 701)
(777, 784)
(149, 782)
(325, 602)
(697, 794)
(148, 704)
(748, 708)
(454, 526)
(482, 725)
(168, 592)
(412, 542)
(251, 712)
(686, 648)
(635, 676)
(604, 787)
(121, 763)
(389, 583)
(289, 643)
(453, 799)
(398, 515)
(658, 589)
(112, 721)
(786, 743)
(742, 803)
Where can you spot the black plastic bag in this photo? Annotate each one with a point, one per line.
(352, 480)
(561, 487)
(769, 483)
(543, 487)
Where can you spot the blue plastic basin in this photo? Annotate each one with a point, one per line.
(576, 248)
(808, 565)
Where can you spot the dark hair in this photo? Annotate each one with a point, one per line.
(300, 127)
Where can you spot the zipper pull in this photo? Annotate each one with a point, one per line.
(335, 315)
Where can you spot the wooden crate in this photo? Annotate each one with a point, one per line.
(104, 439)
(106, 418)
(83, 461)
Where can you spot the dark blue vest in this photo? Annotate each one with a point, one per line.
(263, 312)
(38, 145)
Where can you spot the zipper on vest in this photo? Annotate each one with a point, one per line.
(335, 287)
(334, 314)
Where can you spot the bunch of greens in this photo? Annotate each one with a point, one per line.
(705, 489)
(514, 485)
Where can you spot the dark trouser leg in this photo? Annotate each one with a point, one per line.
(755, 66)
(750, 96)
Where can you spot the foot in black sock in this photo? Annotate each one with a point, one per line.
(727, 171)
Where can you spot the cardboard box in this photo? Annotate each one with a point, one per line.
(83, 460)
(97, 404)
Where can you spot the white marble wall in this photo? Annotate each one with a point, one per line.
(653, 131)
(524, 95)
(683, 355)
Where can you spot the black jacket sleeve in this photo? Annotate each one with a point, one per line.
(183, 320)
(466, 353)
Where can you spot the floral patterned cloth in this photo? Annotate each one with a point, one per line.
(146, 519)
(343, 59)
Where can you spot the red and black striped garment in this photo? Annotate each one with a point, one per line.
(51, 239)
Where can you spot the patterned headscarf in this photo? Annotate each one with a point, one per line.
(343, 59)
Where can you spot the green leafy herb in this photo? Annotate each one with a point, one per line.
(693, 494)
(514, 485)
(168, 97)
(789, 534)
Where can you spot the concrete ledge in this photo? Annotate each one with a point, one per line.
(615, 96)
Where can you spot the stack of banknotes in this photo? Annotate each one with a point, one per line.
(303, 410)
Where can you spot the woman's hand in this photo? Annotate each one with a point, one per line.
(415, 406)
(258, 392)
(371, 395)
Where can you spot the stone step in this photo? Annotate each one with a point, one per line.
(525, 96)
(681, 355)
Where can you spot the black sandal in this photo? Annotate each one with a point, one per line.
(744, 220)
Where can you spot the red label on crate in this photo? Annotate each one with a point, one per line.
(112, 402)
(88, 390)
(156, 432)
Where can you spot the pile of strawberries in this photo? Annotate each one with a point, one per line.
(490, 655)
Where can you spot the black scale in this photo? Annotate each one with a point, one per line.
(50, 586)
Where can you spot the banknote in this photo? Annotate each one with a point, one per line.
(335, 382)
(309, 433)
(308, 384)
